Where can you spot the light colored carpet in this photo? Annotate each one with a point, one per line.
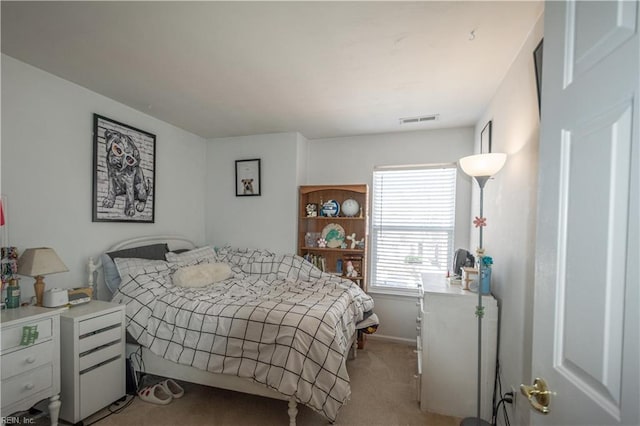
(383, 392)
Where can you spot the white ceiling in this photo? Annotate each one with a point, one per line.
(324, 69)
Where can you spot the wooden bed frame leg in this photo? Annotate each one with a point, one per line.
(292, 411)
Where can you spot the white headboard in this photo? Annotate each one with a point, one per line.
(96, 276)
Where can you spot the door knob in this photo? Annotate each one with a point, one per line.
(538, 395)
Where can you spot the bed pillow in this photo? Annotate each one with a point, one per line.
(152, 251)
(178, 251)
(112, 276)
(201, 275)
(200, 254)
(110, 271)
(132, 265)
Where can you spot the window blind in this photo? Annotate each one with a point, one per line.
(413, 223)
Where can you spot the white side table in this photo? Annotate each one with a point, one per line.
(419, 326)
(30, 373)
(450, 350)
(93, 358)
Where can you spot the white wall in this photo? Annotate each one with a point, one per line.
(510, 209)
(352, 159)
(47, 144)
(2, 232)
(302, 160)
(268, 221)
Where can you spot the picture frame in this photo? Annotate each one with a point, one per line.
(537, 62)
(311, 209)
(124, 172)
(485, 138)
(248, 181)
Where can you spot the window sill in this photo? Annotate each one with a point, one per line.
(388, 291)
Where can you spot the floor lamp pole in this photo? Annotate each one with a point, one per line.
(477, 421)
(481, 167)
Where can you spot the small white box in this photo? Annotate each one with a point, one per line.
(55, 297)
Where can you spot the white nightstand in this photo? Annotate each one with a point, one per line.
(30, 373)
(450, 350)
(93, 358)
(419, 325)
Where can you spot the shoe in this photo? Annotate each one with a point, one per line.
(172, 388)
(155, 394)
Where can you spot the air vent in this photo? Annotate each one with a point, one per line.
(421, 119)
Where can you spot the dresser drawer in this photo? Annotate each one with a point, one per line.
(94, 324)
(27, 384)
(110, 377)
(26, 359)
(93, 358)
(11, 336)
(419, 378)
(101, 338)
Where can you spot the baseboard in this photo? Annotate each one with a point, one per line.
(376, 336)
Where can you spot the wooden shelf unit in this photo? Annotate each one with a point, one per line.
(318, 194)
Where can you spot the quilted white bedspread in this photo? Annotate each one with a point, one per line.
(278, 321)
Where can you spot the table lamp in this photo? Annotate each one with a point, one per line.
(37, 262)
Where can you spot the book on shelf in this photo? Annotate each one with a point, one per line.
(316, 260)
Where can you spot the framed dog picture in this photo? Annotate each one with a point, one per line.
(248, 178)
(124, 172)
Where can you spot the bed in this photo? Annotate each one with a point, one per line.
(271, 325)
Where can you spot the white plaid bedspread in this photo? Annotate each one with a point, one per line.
(278, 321)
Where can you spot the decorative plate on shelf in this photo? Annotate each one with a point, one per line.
(333, 234)
(331, 208)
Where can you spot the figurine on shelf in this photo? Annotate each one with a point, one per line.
(311, 209)
(351, 270)
(322, 243)
(354, 242)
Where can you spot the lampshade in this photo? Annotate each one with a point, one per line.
(483, 164)
(40, 261)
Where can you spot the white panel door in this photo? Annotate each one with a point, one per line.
(586, 321)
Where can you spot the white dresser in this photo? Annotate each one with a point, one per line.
(450, 350)
(30, 373)
(419, 323)
(93, 358)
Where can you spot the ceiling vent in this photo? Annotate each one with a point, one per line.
(421, 119)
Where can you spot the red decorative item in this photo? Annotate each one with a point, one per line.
(480, 221)
(1, 214)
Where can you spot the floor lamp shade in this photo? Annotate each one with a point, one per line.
(37, 262)
(483, 164)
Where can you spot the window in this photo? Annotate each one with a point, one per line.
(413, 218)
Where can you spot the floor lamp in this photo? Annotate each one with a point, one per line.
(481, 167)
